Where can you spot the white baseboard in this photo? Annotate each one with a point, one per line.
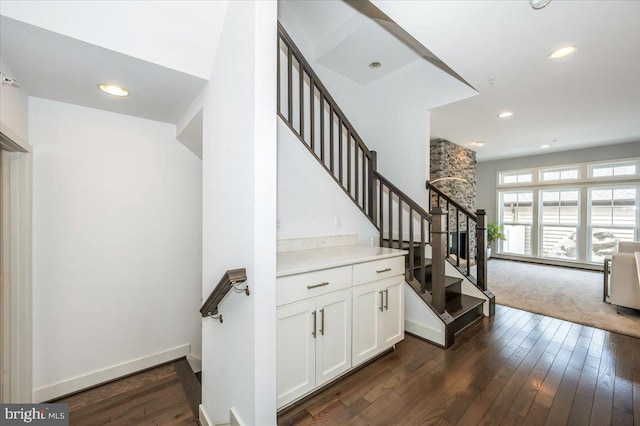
(203, 417)
(423, 331)
(195, 361)
(235, 418)
(75, 384)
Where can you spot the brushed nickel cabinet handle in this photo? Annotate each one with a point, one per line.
(386, 303)
(383, 270)
(381, 301)
(313, 332)
(309, 287)
(322, 321)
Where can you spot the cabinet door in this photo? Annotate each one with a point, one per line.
(393, 314)
(295, 351)
(367, 304)
(333, 343)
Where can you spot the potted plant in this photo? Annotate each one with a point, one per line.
(494, 232)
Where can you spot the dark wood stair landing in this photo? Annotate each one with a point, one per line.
(462, 309)
(166, 394)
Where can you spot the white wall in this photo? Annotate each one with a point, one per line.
(309, 199)
(392, 122)
(14, 106)
(239, 215)
(189, 46)
(116, 243)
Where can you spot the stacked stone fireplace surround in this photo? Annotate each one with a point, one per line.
(448, 159)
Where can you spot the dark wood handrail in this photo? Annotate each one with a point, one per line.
(305, 105)
(405, 198)
(313, 115)
(225, 285)
(316, 80)
(284, 119)
(451, 201)
(453, 227)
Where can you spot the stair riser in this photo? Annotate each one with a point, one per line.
(466, 319)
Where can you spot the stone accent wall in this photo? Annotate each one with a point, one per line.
(450, 160)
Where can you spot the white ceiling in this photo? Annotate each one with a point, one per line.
(181, 35)
(57, 67)
(161, 51)
(345, 37)
(587, 99)
(367, 42)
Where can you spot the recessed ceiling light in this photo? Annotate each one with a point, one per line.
(545, 146)
(539, 4)
(374, 65)
(114, 90)
(562, 52)
(505, 114)
(478, 143)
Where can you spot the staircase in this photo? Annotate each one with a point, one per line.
(440, 274)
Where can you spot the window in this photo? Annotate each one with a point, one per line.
(573, 212)
(559, 174)
(517, 217)
(516, 178)
(614, 170)
(560, 220)
(613, 219)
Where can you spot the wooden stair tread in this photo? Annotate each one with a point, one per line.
(460, 304)
(405, 244)
(427, 263)
(190, 385)
(449, 281)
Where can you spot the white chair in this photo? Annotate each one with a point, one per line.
(624, 285)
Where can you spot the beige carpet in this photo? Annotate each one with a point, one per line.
(568, 294)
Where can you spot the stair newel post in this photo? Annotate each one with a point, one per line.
(438, 245)
(481, 247)
(371, 185)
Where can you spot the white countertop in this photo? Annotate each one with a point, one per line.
(300, 261)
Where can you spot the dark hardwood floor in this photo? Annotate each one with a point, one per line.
(165, 395)
(515, 368)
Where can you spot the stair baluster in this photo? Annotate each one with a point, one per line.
(481, 235)
(473, 231)
(439, 237)
(389, 209)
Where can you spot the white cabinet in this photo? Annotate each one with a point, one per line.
(333, 338)
(295, 351)
(314, 344)
(378, 317)
(330, 320)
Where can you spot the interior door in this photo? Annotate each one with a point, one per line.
(15, 271)
(5, 306)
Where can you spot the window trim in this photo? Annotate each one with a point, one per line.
(613, 165)
(531, 225)
(541, 225)
(561, 169)
(584, 174)
(589, 226)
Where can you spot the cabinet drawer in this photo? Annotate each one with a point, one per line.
(302, 286)
(380, 269)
